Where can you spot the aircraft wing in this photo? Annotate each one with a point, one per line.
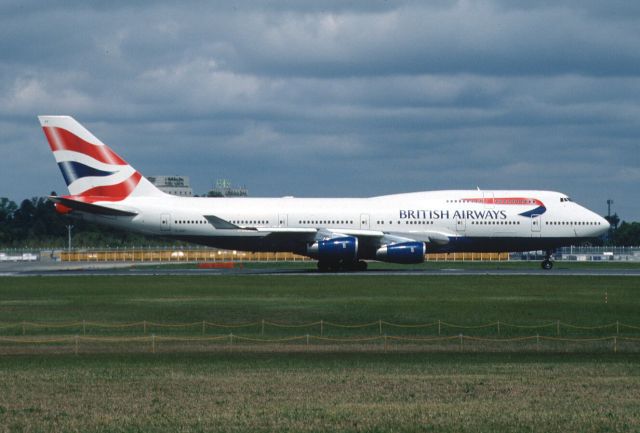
(372, 238)
(297, 239)
(383, 238)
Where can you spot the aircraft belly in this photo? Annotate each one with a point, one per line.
(503, 244)
(257, 243)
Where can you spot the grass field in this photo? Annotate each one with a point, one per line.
(320, 392)
(472, 300)
(288, 389)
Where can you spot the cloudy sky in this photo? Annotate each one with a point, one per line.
(333, 98)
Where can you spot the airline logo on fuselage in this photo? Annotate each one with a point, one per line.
(512, 201)
(472, 214)
(442, 214)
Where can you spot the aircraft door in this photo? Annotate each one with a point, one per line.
(364, 221)
(488, 199)
(165, 222)
(461, 226)
(283, 220)
(536, 225)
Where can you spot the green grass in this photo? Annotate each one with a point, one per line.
(331, 388)
(343, 299)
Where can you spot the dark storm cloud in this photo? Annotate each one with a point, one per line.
(334, 98)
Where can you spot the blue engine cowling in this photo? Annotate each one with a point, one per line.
(405, 253)
(335, 250)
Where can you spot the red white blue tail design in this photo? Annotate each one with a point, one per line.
(92, 171)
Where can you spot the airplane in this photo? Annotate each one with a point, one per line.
(341, 233)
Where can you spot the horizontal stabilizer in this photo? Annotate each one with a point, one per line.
(89, 207)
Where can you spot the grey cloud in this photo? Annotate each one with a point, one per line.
(333, 98)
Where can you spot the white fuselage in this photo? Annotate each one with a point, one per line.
(472, 220)
(339, 232)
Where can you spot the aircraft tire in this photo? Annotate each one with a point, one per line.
(323, 266)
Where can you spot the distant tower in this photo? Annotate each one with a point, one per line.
(609, 203)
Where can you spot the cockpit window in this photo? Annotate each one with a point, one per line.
(563, 199)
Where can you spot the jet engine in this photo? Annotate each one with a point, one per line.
(405, 253)
(335, 250)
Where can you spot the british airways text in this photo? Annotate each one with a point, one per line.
(456, 215)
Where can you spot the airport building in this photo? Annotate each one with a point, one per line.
(224, 188)
(174, 185)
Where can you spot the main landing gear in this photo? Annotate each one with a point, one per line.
(324, 266)
(547, 264)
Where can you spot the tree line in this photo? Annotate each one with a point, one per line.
(36, 224)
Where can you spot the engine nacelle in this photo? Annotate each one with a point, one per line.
(405, 253)
(335, 250)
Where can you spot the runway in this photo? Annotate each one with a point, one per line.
(447, 269)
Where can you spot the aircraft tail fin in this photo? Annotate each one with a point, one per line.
(90, 168)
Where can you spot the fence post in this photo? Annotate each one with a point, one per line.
(438, 326)
(321, 327)
(615, 344)
(380, 325)
(385, 342)
(307, 339)
(153, 343)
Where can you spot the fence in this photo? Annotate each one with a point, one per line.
(172, 344)
(379, 326)
(172, 255)
(191, 255)
(586, 254)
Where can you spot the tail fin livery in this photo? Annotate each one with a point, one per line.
(92, 171)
